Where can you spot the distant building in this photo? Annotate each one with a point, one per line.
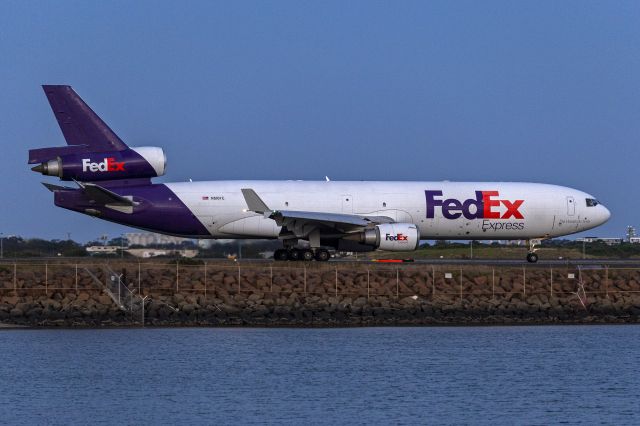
(607, 240)
(205, 244)
(512, 242)
(634, 240)
(148, 253)
(149, 239)
(102, 249)
(631, 233)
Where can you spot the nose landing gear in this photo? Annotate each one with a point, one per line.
(532, 257)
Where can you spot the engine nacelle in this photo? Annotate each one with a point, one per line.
(131, 163)
(393, 237)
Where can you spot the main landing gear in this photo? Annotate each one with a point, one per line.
(532, 257)
(321, 255)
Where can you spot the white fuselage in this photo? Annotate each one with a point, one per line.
(441, 210)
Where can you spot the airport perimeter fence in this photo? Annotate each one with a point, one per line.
(324, 280)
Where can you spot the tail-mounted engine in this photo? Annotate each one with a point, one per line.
(93, 152)
(131, 163)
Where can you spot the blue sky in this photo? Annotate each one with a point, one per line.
(541, 91)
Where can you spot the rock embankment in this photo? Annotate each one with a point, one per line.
(347, 295)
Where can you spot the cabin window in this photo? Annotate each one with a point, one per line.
(384, 204)
(592, 202)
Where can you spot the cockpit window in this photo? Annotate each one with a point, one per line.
(592, 202)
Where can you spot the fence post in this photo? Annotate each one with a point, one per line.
(177, 277)
(304, 267)
(606, 281)
(239, 278)
(46, 279)
(397, 283)
(205, 279)
(460, 285)
(524, 281)
(76, 278)
(368, 291)
(140, 283)
(551, 282)
(15, 279)
(493, 283)
(336, 281)
(433, 281)
(271, 278)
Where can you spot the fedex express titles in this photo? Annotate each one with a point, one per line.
(484, 206)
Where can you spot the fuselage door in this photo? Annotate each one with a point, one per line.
(347, 204)
(571, 206)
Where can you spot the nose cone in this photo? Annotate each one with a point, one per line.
(603, 214)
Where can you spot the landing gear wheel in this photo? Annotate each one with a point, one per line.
(294, 254)
(306, 255)
(322, 255)
(532, 258)
(280, 255)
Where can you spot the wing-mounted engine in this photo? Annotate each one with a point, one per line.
(389, 236)
(130, 163)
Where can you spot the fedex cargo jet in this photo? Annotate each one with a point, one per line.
(113, 182)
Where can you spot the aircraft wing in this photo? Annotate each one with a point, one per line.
(328, 219)
(292, 219)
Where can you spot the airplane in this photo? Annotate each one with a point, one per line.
(113, 183)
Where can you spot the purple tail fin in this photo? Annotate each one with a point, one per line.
(79, 124)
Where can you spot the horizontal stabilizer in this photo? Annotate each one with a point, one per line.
(104, 196)
(53, 188)
(79, 124)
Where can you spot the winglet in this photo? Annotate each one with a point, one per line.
(254, 202)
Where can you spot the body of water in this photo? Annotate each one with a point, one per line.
(434, 375)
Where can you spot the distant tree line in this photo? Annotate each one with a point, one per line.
(596, 248)
(18, 247)
(35, 247)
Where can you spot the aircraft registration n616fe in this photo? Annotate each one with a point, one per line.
(114, 183)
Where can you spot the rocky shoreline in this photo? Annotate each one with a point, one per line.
(318, 296)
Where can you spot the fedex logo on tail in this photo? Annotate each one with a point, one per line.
(486, 205)
(108, 165)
